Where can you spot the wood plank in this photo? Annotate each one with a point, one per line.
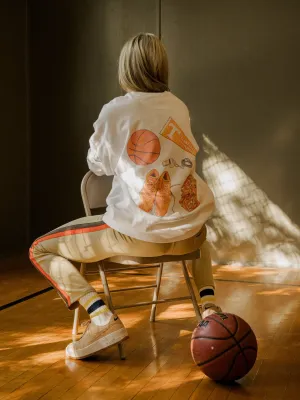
(19, 279)
(33, 336)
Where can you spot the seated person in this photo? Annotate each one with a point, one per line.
(158, 204)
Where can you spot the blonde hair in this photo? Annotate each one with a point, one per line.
(143, 64)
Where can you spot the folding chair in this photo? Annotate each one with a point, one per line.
(94, 191)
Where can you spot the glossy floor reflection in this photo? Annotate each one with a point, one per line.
(33, 336)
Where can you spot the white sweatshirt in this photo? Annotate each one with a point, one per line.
(145, 141)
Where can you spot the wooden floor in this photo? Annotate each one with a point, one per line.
(33, 336)
(19, 279)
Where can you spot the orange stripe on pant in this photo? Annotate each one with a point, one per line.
(67, 232)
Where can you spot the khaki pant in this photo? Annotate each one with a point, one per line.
(88, 239)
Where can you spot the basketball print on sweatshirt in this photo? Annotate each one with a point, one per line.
(173, 132)
(189, 200)
(143, 147)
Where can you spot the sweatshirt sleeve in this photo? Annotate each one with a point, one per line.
(104, 152)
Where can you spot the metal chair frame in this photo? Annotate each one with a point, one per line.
(127, 263)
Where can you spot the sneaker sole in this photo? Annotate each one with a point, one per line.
(101, 344)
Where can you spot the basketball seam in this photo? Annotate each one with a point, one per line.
(225, 327)
(211, 337)
(250, 348)
(232, 365)
(151, 140)
(145, 152)
(217, 356)
(140, 137)
(145, 130)
(240, 341)
(220, 323)
(220, 354)
(237, 324)
(145, 163)
(234, 359)
(135, 144)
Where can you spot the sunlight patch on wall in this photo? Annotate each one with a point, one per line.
(246, 228)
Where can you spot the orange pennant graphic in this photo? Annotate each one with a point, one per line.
(172, 131)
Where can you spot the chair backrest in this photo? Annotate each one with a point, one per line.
(94, 191)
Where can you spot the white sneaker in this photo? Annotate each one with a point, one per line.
(210, 309)
(97, 338)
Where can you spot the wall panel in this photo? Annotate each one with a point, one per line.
(74, 50)
(236, 65)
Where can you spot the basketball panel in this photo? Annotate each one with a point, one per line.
(242, 328)
(145, 137)
(238, 368)
(211, 329)
(251, 356)
(151, 147)
(135, 137)
(226, 320)
(218, 368)
(139, 160)
(130, 151)
(248, 340)
(204, 349)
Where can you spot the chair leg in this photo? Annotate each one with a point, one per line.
(191, 290)
(77, 311)
(105, 287)
(156, 292)
(109, 301)
(194, 264)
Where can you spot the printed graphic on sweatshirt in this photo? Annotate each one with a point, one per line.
(189, 199)
(173, 132)
(163, 195)
(170, 162)
(156, 194)
(148, 193)
(143, 147)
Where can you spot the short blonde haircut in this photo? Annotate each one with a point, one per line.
(143, 65)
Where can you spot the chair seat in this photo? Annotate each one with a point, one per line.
(131, 260)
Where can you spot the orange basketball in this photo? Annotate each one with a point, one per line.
(224, 347)
(143, 147)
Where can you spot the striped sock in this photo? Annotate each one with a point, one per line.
(95, 306)
(207, 297)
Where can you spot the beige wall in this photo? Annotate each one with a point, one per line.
(236, 64)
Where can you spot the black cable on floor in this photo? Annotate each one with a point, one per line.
(22, 299)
